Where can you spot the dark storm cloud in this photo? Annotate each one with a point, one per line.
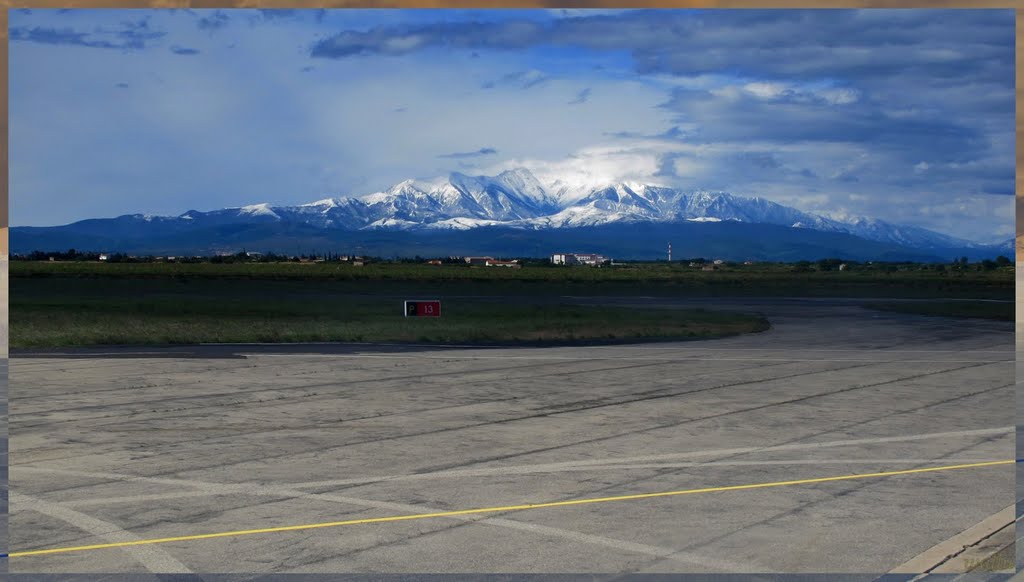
(671, 134)
(400, 40)
(789, 43)
(743, 118)
(476, 154)
(583, 96)
(908, 85)
(286, 14)
(519, 79)
(279, 13)
(998, 189)
(213, 22)
(666, 166)
(185, 51)
(526, 79)
(128, 35)
(758, 160)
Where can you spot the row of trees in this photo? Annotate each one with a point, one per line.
(828, 264)
(960, 264)
(239, 257)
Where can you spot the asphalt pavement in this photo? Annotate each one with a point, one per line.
(841, 440)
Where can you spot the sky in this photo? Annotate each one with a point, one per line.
(902, 115)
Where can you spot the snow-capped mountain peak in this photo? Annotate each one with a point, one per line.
(263, 209)
(326, 203)
(516, 199)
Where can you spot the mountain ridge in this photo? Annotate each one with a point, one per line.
(517, 201)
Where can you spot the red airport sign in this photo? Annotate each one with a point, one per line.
(421, 308)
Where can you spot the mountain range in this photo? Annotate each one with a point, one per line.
(514, 214)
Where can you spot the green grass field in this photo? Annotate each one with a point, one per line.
(973, 309)
(81, 303)
(661, 279)
(80, 312)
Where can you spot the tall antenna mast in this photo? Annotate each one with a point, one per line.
(670, 251)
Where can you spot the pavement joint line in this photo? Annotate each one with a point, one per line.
(641, 358)
(933, 559)
(506, 508)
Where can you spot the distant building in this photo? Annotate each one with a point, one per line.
(719, 261)
(578, 259)
(509, 264)
(434, 262)
(709, 268)
(843, 267)
(104, 257)
(478, 261)
(748, 262)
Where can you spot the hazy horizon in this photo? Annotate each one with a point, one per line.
(901, 115)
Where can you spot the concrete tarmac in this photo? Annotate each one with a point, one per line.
(139, 445)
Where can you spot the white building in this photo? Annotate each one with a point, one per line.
(578, 259)
(481, 261)
(509, 264)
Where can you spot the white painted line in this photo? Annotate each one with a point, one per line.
(557, 466)
(546, 467)
(152, 558)
(243, 489)
(207, 488)
(576, 358)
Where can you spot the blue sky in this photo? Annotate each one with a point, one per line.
(903, 115)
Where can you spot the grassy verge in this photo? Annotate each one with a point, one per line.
(80, 312)
(975, 309)
(651, 279)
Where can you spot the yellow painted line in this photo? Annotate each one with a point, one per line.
(500, 509)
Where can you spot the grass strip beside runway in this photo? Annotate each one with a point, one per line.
(51, 313)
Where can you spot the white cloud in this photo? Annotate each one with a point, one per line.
(839, 96)
(248, 125)
(766, 90)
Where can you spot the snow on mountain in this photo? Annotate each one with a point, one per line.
(913, 236)
(463, 223)
(391, 223)
(516, 199)
(324, 205)
(258, 210)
